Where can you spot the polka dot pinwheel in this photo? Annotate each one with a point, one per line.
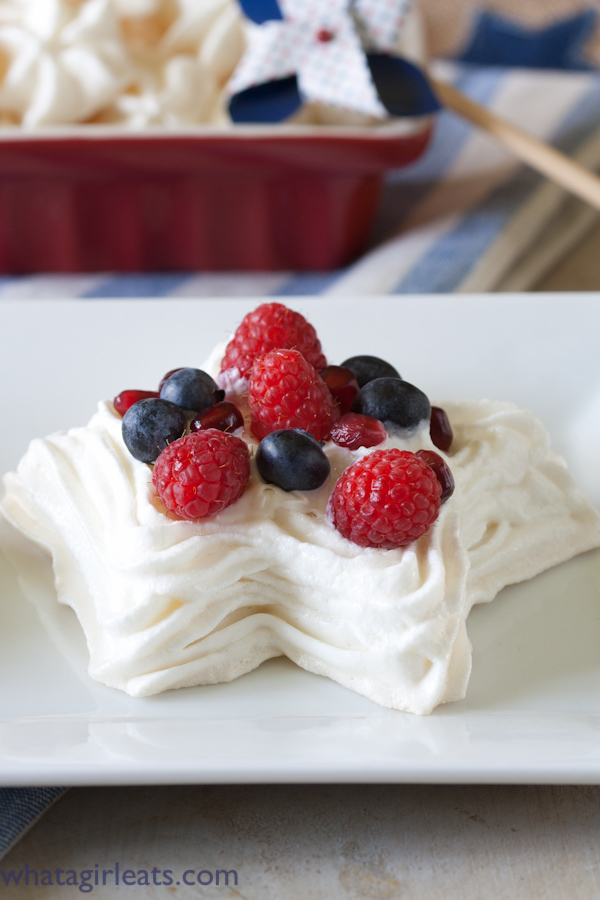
(340, 53)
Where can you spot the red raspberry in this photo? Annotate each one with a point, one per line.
(285, 391)
(387, 499)
(355, 430)
(200, 474)
(271, 326)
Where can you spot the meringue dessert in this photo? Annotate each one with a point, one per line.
(169, 602)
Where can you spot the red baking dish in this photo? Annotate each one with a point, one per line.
(95, 199)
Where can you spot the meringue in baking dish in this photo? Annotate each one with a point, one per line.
(166, 603)
(137, 64)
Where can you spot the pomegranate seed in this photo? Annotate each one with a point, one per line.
(441, 470)
(440, 429)
(342, 384)
(223, 416)
(354, 430)
(126, 399)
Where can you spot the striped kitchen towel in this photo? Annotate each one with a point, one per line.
(466, 217)
(20, 808)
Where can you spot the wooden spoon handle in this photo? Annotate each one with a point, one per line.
(540, 156)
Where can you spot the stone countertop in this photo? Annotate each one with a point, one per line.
(322, 842)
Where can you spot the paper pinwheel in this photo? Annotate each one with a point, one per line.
(336, 52)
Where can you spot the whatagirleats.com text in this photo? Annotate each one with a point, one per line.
(86, 880)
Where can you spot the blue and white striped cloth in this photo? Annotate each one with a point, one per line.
(467, 217)
(20, 808)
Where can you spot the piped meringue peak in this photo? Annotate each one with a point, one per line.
(136, 63)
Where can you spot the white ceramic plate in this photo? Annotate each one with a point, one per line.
(532, 713)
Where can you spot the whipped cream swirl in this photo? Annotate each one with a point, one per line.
(166, 603)
(63, 63)
(138, 63)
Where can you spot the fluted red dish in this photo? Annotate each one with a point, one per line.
(94, 199)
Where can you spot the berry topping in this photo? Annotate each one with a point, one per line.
(150, 425)
(393, 401)
(285, 391)
(387, 499)
(367, 368)
(126, 399)
(292, 460)
(224, 416)
(354, 431)
(200, 474)
(271, 326)
(190, 389)
(440, 429)
(442, 471)
(343, 385)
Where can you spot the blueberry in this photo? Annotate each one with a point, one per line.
(292, 460)
(150, 425)
(190, 389)
(367, 368)
(394, 401)
(309, 435)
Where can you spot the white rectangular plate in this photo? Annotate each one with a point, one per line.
(532, 713)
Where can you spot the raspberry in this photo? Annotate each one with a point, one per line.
(387, 499)
(200, 474)
(354, 431)
(271, 326)
(285, 391)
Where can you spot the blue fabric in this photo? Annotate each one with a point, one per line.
(307, 284)
(499, 41)
(406, 187)
(443, 268)
(158, 284)
(451, 259)
(19, 809)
